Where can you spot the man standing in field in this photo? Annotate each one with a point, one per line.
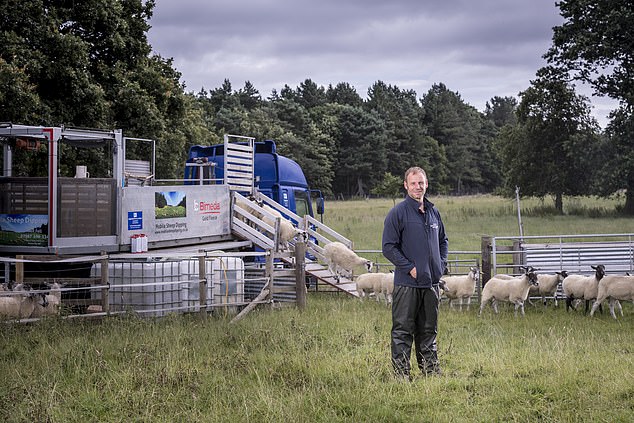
(414, 241)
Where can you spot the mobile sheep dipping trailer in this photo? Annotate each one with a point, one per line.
(84, 196)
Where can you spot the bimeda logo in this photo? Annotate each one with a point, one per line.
(203, 207)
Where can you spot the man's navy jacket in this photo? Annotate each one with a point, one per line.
(415, 239)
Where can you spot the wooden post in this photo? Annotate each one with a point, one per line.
(105, 281)
(202, 286)
(300, 274)
(19, 269)
(268, 274)
(485, 250)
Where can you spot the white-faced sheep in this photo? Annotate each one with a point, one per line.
(19, 303)
(387, 287)
(268, 215)
(461, 286)
(547, 286)
(614, 288)
(582, 287)
(338, 256)
(287, 230)
(50, 304)
(368, 283)
(513, 290)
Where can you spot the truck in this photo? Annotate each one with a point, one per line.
(276, 176)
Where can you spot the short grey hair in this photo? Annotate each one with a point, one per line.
(415, 169)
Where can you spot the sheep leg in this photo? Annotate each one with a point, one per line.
(494, 303)
(569, 303)
(484, 302)
(611, 302)
(468, 303)
(595, 306)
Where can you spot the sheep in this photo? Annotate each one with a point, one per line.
(387, 287)
(268, 215)
(287, 230)
(461, 287)
(338, 256)
(614, 288)
(249, 205)
(18, 305)
(582, 287)
(51, 303)
(368, 283)
(547, 286)
(514, 290)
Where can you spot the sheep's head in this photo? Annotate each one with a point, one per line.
(532, 277)
(476, 274)
(303, 235)
(562, 275)
(368, 265)
(599, 271)
(442, 285)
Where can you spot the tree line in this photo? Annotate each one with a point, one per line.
(89, 64)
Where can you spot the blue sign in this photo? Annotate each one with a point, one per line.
(135, 220)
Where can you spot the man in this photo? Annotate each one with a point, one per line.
(414, 241)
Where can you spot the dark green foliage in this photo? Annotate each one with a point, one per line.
(549, 151)
(463, 133)
(594, 44)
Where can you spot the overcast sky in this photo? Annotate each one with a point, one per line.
(478, 48)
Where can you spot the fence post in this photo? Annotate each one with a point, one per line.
(19, 269)
(268, 273)
(485, 253)
(105, 281)
(202, 284)
(300, 274)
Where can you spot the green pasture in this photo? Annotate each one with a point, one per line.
(330, 362)
(469, 218)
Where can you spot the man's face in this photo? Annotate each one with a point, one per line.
(416, 185)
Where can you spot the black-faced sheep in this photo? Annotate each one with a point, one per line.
(547, 286)
(338, 256)
(50, 304)
(461, 287)
(513, 290)
(614, 288)
(581, 287)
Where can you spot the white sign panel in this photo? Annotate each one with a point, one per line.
(164, 213)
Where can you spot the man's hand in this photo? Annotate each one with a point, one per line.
(413, 272)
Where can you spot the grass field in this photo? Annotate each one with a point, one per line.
(330, 363)
(467, 219)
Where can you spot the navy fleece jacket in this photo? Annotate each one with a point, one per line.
(415, 239)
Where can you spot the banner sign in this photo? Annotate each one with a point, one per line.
(175, 212)
(24, 229)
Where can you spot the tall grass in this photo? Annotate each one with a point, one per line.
(330, 363)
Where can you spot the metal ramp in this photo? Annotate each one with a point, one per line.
(322, 273)
(248, 226)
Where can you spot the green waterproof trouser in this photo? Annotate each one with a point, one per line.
(415, 318)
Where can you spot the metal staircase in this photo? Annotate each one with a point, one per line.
(246, 225)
